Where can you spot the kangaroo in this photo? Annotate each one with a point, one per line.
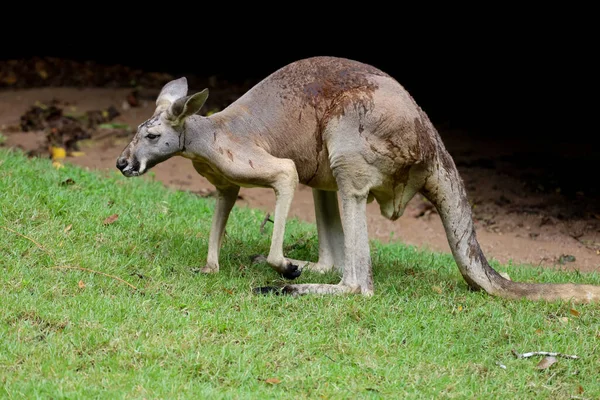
(336, 125)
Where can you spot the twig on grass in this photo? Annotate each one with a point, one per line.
(26, 237)
(96, 272)
(330, 358)
(543, 353)
(264, 222)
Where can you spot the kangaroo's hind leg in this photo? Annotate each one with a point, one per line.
(356, 271)
(330, 233)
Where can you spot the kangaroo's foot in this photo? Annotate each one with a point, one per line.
(313, 288)
(210, 269)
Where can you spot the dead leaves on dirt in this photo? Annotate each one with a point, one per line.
(50, 71)
(565, 258)
(63, 131)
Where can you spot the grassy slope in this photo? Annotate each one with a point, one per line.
(74, 334)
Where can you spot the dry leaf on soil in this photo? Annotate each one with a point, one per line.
(546, 362)
(272, 381)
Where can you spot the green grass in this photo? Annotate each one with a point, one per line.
(68, 333)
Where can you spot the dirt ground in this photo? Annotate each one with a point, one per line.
(526, 210)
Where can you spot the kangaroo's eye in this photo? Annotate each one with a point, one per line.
(152, 136)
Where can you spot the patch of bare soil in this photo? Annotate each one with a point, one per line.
(527, 209)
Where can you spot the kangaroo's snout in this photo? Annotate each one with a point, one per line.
(130, 168)
(122, 163)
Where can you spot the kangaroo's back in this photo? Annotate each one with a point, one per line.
(288, 112)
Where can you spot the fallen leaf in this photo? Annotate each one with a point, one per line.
(546, 362)
(272, 381)
(81, 285)
(76, 153)
(58, 153)
(111, 219)
(68, 228)
(460, 308)
(564, 320)
(575, 312)
(437, 289)
(57, 164)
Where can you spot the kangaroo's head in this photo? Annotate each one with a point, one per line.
(161, 136)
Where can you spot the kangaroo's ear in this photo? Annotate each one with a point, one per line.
(171, 92)
(186, 106)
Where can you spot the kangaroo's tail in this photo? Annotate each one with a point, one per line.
(445, 189)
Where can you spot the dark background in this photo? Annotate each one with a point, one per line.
(530, 74)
